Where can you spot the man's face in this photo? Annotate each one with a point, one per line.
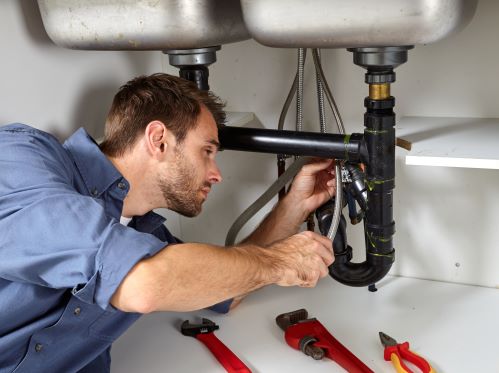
(193, 170)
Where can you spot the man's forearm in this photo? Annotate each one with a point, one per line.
(187, 277)
(283, 221)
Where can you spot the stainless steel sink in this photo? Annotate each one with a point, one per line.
(354, 23)
(142, 25)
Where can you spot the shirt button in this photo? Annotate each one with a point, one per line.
(94, 192)
(121, 185)
(38, 347)
(77, 311)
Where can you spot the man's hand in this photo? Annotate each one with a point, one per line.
(313, 185)
(302, 259)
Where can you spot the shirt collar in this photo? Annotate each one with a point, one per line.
(96, 169)
(99, 174)
(147, 223)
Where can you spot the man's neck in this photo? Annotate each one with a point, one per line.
(136, 203)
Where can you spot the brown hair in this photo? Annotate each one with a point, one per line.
(174, 101)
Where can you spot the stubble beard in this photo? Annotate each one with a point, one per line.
(181, 193)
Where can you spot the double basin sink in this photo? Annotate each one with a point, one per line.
(189, 24)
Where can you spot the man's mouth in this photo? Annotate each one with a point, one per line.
(205, 191)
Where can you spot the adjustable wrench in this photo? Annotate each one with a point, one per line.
(204, 333)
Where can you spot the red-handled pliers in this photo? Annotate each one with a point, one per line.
(397, 352)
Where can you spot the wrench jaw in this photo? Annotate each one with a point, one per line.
(285, 320)
(289, 322)
(193, 330)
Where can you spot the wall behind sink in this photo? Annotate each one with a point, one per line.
(445, 217)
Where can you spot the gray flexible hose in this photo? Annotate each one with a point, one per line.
(339, 122)
(320, 99)
(287, 104)
(299, 89)
(256, 206)
(329, 96)
(337, 204)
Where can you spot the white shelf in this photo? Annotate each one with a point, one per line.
(451, 142)
(243, 119)
(453, 326)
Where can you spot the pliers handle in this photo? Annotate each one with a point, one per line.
(397, 352)
(401, 352)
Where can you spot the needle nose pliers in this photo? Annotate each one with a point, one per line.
(397, 352)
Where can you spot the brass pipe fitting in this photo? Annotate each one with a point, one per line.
(379, 91)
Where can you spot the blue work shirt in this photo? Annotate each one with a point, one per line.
(63, 252)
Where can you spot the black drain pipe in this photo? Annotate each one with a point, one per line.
(193, 64)
(379, 227)
(379, 135)
(298, 143)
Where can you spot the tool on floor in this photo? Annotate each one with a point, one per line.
(397, 352)
(204, 333)
(313, 339)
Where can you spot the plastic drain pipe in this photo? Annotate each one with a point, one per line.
(379, 135)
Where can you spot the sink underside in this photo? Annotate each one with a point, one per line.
(354, 23)
(142, 25)
(188, 24)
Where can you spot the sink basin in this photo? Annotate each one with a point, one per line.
(354, 23)
(142, 25)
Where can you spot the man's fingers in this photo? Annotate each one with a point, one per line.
(327, 255)
(316, 165)
(331, 189)
(324, 246)
(305, 258)
(326, 242)
(324, 271)
(326, 249)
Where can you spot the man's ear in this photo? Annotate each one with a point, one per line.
(158, 138)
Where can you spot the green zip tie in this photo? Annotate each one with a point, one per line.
(372, 183)
(389, 255)
(375, 132)
(372, 237)
(346, 141)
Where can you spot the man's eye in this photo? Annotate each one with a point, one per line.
(209, 151)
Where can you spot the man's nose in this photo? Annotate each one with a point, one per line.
(215, 175)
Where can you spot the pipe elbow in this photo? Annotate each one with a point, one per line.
(357, 274)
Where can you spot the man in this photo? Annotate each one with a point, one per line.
(73, 279)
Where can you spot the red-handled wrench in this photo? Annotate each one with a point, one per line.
(204, 333)
(313, 339)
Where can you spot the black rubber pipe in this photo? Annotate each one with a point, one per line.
(379, 227)
(313, 144)
(198, 74)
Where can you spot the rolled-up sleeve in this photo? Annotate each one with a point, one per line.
(65, 240)
(121, 249)
(53, 236)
